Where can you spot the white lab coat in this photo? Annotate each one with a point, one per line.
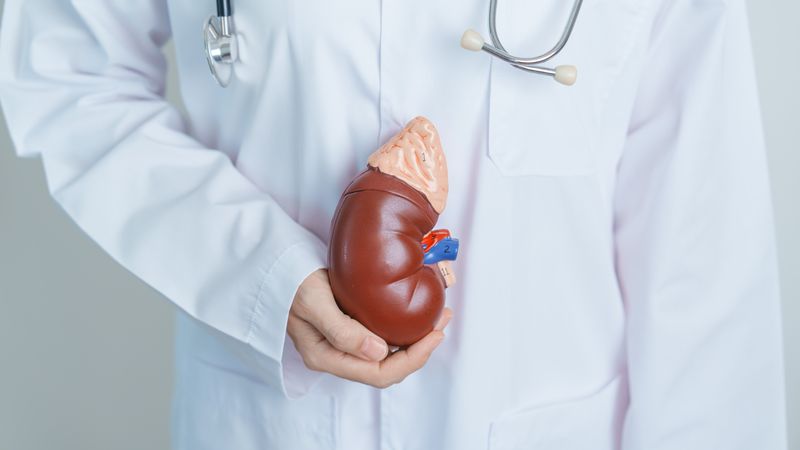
(617, 275)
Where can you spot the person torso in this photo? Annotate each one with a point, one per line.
(534, 356)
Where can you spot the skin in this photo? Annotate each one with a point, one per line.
(330, 341)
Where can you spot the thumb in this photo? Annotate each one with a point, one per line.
(341, 331)
(349, 336)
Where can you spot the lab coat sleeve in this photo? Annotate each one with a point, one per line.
(694, 242)
(81, 84)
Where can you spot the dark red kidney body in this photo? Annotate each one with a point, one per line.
(376, 260)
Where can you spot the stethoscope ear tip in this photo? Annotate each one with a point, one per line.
(566, 75)
(472, 40)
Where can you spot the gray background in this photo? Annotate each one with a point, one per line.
(85, 348)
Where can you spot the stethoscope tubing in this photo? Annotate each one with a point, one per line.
(224, 8)
(220, 45)
(499, 50)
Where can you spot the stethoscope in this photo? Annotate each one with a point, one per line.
(220, 43)
(472, 40)
(219, 38)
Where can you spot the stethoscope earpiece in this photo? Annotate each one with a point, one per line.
(566, 75)
(221, 49)
(472, 40)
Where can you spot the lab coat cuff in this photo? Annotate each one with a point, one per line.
(268, 324)
(297, 378)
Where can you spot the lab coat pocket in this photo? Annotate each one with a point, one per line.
(537, 127)
(589, 423)
(222, 401)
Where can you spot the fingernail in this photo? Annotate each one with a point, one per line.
(373, 348)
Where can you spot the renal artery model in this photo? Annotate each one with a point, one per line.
(387, 268)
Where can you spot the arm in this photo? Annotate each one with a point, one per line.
(694, 242)
(82, 86)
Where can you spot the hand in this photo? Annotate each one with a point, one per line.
(330, 341)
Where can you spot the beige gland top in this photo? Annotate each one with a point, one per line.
(415, 156)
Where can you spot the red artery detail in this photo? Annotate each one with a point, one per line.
(430, 239)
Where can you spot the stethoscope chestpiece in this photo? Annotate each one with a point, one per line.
(219, 41)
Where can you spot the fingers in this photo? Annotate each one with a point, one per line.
(447, 314)
(405, 362)
(394, 369)
(343, 333)
(330, 341)
(346, 334)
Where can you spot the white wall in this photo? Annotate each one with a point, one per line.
(776, 39)
(85, 348)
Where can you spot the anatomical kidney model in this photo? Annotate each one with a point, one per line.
(387, 269)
